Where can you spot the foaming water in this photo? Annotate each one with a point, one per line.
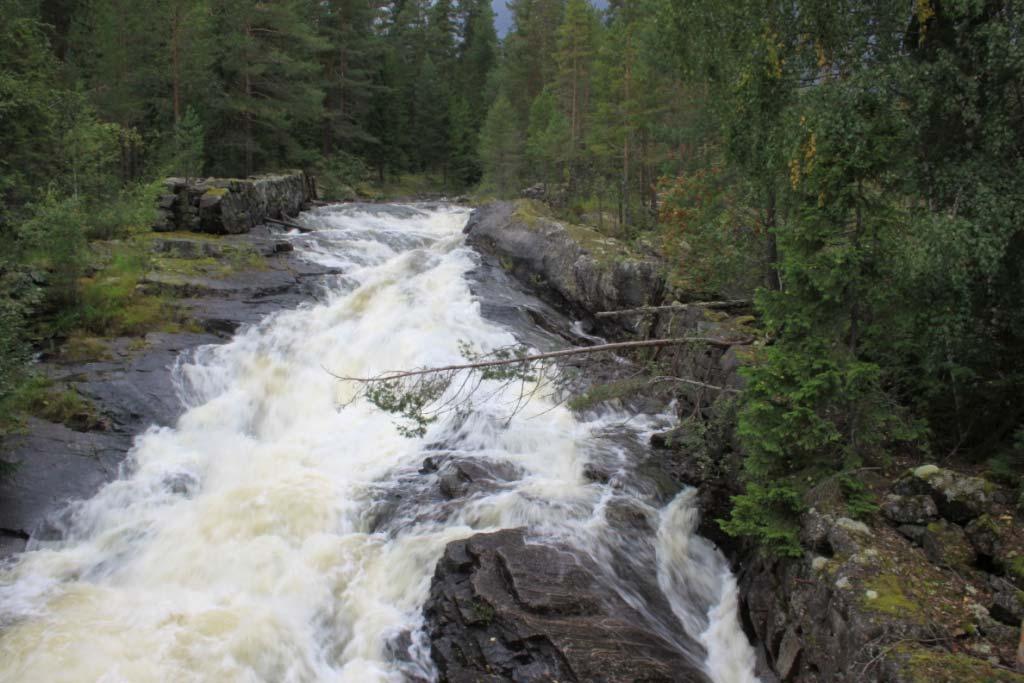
(247, 543)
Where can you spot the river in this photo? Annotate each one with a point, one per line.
(243, 545)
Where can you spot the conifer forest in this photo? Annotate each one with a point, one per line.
(837, 185)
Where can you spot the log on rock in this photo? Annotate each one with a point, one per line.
(290, 225)
(650, 310)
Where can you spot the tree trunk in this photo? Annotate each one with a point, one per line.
(625, 140)
(248, 111)
(774, 281)
(176, 62)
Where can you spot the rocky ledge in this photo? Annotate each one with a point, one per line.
(231, 205)
(215, 285)
(929, 588)
(504, 609)
(574, 266)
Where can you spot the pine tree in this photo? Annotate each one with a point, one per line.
(462, 143)
(442, 34)
(30, 110)
(478, 57)
(577, 47)
(188, 138)
(501, 148)
(187, 58)
(352, 50)
(548, 142)
(272, 94)
(430, 106)
(530, 49)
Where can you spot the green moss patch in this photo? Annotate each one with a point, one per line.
(892, 598)
(40, 397)
(940, 666)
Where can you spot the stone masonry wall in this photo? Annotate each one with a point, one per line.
(231, 205)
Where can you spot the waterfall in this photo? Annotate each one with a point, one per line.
(245, 543)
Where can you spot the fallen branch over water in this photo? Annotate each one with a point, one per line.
(575, 351)
(650, 310)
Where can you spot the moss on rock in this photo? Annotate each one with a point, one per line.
(892, 599)
(940, 666)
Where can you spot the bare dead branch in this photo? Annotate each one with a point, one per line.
(575, 351)
(693, 382)
(650, 310)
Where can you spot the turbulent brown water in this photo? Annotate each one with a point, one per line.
(239, 545)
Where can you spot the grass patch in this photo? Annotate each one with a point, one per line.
(111, 303)
(38, 396)
(403, 186)
(610, 391)
(938, 666)
(81, 347)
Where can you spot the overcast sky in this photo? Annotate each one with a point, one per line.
(504, 20)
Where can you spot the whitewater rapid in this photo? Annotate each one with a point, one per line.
(239, 545)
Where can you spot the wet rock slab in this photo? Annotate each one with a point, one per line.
(57, 465)
(503, 609)
(131, 386)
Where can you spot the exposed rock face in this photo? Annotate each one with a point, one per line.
(584, 270)
(231, 206)
(909, 509)
(960, 498)
(866, 608)
(502, 609)
(131, 384)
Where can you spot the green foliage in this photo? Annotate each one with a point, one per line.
(548, 138)
(705, 230)
(187, 146)
(464, 166)
(1007, 466)
(110, 302)
(340, 175)
(29, 148)
(19, 295)
(409, 403)
(55, 237)
(39, 397)
(768, 514)
(501, 149)
(874, 172)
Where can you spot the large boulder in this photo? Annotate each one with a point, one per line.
(909, 509)
(501, 609)
(946, 545)
(999, 541)
(959, 497)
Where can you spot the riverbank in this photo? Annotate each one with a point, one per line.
(273, 473)
(192, 290)
(926, 587)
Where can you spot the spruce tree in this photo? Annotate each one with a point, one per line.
(350, 56)
(272, 93)
(478, 57)
(530, 49)
(501, 148)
